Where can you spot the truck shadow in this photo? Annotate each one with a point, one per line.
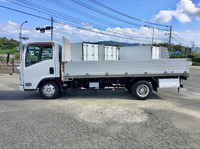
(103, 94)
(19, 95)
(73, 95)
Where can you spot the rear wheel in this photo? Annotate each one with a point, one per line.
(141, 90)
(49, 90)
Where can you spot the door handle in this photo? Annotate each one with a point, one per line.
(51, 70)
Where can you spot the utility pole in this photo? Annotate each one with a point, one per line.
(42, 30)
(151, 27)
(170, 37)
(51, 28)
(20, 39)
(193, 47)
(170, 34)
(152, 36)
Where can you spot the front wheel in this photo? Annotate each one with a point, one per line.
(141, 90)
(49, 90)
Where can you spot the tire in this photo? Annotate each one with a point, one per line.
(141, 90)
(49, 90)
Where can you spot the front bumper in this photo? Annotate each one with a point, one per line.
(21, 87)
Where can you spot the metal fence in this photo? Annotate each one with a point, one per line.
(10, 67)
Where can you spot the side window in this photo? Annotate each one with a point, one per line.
(38, 53)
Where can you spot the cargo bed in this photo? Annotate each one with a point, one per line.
(98, 69)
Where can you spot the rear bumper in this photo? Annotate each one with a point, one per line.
(21, 87)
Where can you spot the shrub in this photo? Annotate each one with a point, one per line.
(197, 59)
(11, 51)
(195, 64)
(3, 60)
(177, 56)
(17, 56)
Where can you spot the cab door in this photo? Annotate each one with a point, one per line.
(38, 64)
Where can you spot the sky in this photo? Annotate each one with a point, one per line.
(132, 21)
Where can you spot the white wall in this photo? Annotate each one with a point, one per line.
(76, 51)
(135, 53)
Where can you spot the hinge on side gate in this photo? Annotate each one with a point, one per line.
(106, 75)
(185, 73)
(126, 74)
(165, 73)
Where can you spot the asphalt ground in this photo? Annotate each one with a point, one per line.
(100, 119)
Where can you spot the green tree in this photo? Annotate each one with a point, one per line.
(172, 47)
(8, 46)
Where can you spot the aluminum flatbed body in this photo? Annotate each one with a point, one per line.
(122, 68)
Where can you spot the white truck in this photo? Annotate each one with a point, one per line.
(48, 67)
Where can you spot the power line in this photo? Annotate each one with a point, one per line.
(74, 10)
(25, 13)
(79, 12)
(62, 16)
(50, 12)
(123, 14)
(180, 38)
(63, 23)
(67, 7)
(71, 19)
(104, 13)
(103, 33)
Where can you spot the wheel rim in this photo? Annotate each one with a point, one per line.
(142, 90)
(48, 90)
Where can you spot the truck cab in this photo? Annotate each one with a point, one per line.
(39, 62)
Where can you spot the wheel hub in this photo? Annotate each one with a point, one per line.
(142, 90)
(48, 90)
